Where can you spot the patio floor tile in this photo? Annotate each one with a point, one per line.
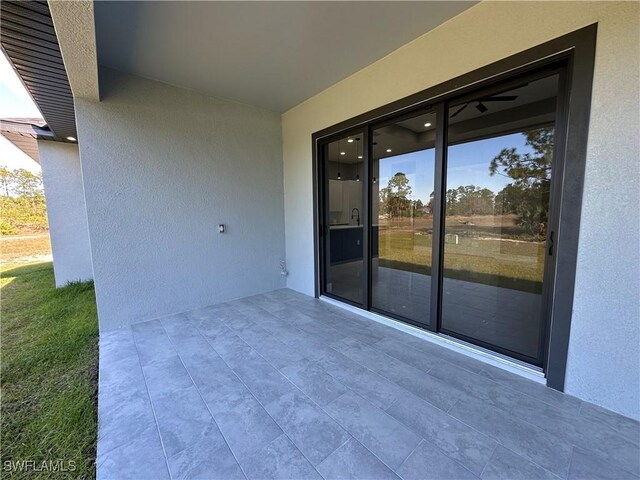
(281, 385)
(383, 435)
(142, 457)
(280, 459)
(314, 381)
(542, 448)
(353, 461)
(314, 432)
(506, 464)
(209, 457)
(428, 463)
(461, 442)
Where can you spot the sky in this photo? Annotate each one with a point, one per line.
(467, 164)
(14, 102)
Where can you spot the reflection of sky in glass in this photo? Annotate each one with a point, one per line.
(417, 166)
(468, 164)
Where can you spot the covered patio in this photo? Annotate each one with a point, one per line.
(191, 171)
(281, 385)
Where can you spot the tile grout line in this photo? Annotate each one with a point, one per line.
(251, 392)
(119, 444)
(498, 441)
(495, 447)
(351, 437)
(329, 345)
(422, 440)
(498, 385)
(384, 411)
(485, 366)
(573, 448)
(310, 399)
(501, 443)
(153, 410)
(322, 408)
(202, 398)
(570, 443)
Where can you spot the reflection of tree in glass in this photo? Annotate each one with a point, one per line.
(394, 198)
(528, 195)
(469, 200)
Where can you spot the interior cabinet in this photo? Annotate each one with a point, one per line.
(344, 196)
(335, 196)
(352, 195)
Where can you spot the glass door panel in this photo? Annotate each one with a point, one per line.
(403, 155)
(498, 180)
(344, 241)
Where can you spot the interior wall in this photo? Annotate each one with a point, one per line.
(604, 351)
(162, 168)
(66, 211)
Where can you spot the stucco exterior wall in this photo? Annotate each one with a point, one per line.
(604, 351)
(162, 167)
(66, 211)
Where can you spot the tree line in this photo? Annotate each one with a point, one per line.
(22, 203)
(526, 196)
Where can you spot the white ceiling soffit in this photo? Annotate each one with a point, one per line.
(269, 54)
(75, 28)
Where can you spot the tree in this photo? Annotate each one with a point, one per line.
(26, 183)
(430, 203)
(528, 194)
(469, 200)
(419, 208)
(6, 180)
(394, 198)
(21, 201)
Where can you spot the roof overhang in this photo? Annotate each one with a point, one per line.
(29, 42)
(24, 133)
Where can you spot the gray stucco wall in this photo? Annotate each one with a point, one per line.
(162, 167)
(604, 350)
(66, 211)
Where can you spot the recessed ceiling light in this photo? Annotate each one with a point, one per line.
(71, 139)
(428, 124)
(350, 140)
(342, 153)
(388, 150)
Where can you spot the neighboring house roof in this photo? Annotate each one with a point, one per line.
(24, 133)
(29, 42)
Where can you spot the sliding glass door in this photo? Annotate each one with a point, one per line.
(498, 183)
(403, 156)
(441, 216)
(344, 262)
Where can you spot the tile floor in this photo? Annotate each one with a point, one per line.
(281, 385)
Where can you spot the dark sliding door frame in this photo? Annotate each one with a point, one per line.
(391, 120)
(577, 50)
(321, 193)
(558, 68)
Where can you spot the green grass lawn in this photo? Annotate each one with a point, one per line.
(49, 347)
(509, 264)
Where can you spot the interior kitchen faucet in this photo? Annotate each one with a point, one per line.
(357, 215)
